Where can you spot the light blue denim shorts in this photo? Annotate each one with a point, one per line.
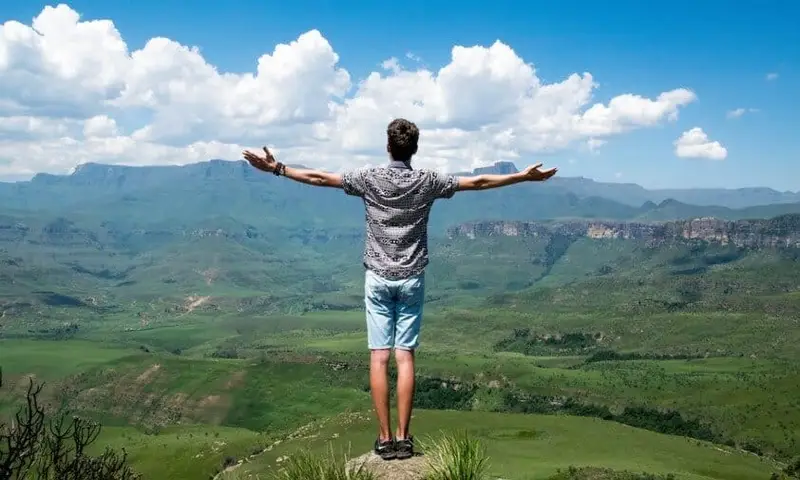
(394, 311)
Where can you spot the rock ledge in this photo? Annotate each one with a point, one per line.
(413, 468)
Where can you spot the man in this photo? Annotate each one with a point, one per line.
(398, 200)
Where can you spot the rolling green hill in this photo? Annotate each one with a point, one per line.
(534, 446)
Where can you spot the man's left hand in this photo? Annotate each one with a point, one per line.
(267, 163)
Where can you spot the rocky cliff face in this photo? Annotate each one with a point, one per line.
(63, 232)
(778, 232)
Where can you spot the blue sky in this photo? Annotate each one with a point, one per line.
(721, 50)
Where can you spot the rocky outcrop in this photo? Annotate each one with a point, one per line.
(414, 468)
(778, 232)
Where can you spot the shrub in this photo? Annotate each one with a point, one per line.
(53, 448)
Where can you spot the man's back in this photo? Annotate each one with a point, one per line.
(397, 200)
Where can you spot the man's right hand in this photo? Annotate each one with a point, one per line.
(533, 174)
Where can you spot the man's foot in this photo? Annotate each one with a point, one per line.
(404, 448)
(385, 449)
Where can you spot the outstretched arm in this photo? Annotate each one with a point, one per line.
(268, 163)
(314, 177)
(487, 181)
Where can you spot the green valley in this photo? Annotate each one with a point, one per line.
(220, 322)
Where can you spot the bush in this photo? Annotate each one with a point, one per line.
(53, 448)
(792, 470)
(440, 394)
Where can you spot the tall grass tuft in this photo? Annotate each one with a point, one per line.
(456, 456)
(308, 466)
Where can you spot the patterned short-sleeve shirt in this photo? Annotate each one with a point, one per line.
(397, 201)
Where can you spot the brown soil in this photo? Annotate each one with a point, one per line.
(148, 374)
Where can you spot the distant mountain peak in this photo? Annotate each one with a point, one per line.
(93, 168)
(502, 167)
(498, 167)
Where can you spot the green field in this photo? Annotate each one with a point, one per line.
(553, 350)
(56, 360)
(182, 451)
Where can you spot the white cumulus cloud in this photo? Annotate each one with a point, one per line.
(72, 91)
(694, 143)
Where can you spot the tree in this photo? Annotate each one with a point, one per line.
(35, 445)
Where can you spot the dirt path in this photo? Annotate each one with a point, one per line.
(193, 302)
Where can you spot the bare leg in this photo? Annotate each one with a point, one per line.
(405, 390)
(379, 386)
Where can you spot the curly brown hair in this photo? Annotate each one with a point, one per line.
(403, 137)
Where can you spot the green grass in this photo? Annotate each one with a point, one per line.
(536, 447)
(156, 391)
(740, 397)
(748, 400)
(310, 466)
(455, 456)
(56, 359)
(181, 452)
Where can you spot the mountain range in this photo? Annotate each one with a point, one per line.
(636, 195)
(194, 195)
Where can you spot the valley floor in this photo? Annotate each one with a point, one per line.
(183, 415)
(554, 352)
